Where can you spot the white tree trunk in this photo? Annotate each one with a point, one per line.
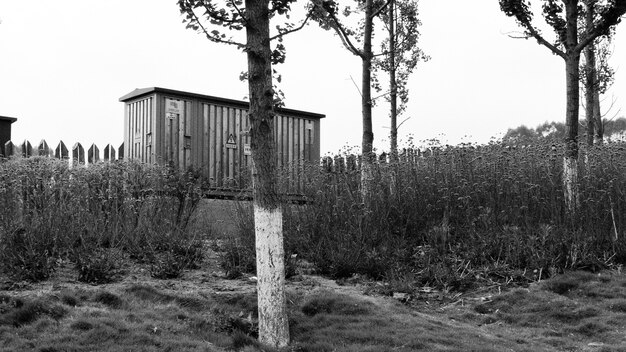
(270, 268)
(570, 183)
(367, 178)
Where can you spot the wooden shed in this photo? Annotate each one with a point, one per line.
(5, 131)
(187, 129)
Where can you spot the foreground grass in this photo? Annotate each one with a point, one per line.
(577, 311)
(139, 319)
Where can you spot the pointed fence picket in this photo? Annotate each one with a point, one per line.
(77, 156)
(352, 163)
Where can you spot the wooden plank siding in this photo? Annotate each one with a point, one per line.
(187, 129)
(138, 121)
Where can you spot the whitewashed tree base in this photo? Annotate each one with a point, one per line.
(270, 268)
(570, 183)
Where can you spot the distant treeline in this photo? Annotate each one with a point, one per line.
(556, 130)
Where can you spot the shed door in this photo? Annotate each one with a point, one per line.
(178, 133)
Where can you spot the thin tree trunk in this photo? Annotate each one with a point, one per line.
(595, 129)
(268, 222)
(597, 117)
(393, 99)
(570, 163)
(590, 89)
(367, 159)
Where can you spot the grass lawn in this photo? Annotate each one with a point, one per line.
(203, 311)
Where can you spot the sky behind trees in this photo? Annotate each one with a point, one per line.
(64, 65)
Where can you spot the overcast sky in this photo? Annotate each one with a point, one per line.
(64, 64)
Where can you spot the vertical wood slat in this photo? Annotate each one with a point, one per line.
(196, 138)
(151, 130)
(219, 146)
(126, 121)
(188, 139)
(290, 138)
(316, 134)
(212, 143)
(146, 133)
(245, 120)
(225, 151)
(278, 141)
(301, 157)
(168, 139)
(131, 134)
(309, 156)
(285, 140)
(291, 143)
(142, 131)
(205, 140)
(239, 150)
(231, 151)
(158, 136)
(175, 134)
(139, 132)
(180, 133)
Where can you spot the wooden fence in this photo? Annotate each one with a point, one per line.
(352, 162)
(77, 154)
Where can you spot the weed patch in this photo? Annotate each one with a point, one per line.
(24, 313)
(108, 299)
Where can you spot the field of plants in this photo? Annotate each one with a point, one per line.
(437, 216)
(51, 212)
(445, 216)
(449, 220)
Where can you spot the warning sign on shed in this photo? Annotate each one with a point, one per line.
(231, 142)
(174, 106)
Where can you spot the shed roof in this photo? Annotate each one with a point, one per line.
(6, 118)
(139, 92)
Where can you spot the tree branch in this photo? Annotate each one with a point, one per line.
(377, 12)
(345, 37)
(535, 34)
(210, 12)
(282, 34)
(210, 36)
(243, 17)
(341, 32)
(609, 18)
